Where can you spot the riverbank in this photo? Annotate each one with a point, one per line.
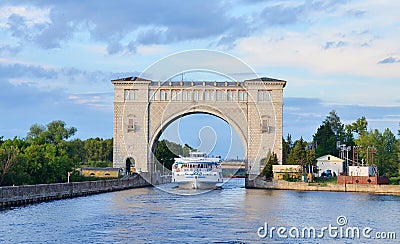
(20, 195)
(259, 183)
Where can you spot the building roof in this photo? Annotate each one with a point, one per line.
(267, 79)
(131, 79)
(101, 169)
(330, 158)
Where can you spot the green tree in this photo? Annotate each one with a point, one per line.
(57, 131)
(325, 140)
(98, 150)
(93, 149)
(49, 157)
(13, 170)
(8, 158)
(53, 133)
(398, 150)
(164, 155)
(286, 147)
(108, 152)
(310, 157)
(270, 160)
(360, 126)
(47, 164)
(333, 120)
(186, 150)
(348, 137)
(298, 154)
(386, 157)
(385, 145)
(175, 148)
(47, 154)
(75, 149)
(35, 134)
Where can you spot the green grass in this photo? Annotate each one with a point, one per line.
(394, 181)
(325, 180)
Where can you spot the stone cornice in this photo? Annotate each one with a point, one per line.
(263, 81)
(131, 81)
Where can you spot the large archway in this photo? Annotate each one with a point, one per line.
(143, 109)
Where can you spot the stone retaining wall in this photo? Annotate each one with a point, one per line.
(19, 195)
(302, 186)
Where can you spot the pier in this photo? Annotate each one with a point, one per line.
(20, 195)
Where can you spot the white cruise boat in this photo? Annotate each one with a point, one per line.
(197, 171)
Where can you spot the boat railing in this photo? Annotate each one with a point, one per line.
(197, 169)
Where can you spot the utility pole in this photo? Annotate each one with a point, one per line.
(347, 158)
(355, 154)
(344, 148)
(370, 155)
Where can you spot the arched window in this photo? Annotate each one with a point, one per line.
(242, 95)
(264, 95)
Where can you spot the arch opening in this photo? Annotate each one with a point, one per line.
(202, 131)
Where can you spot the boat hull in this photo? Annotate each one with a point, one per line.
(198, 182)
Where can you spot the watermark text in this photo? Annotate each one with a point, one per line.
(338, 230)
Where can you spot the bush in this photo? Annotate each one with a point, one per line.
(394, 181)
(268, 162)
(98, 164)
(289, 178)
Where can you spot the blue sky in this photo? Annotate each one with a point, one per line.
(57, 57)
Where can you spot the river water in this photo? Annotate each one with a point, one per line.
(229, 215)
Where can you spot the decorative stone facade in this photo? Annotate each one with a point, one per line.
(144, 108)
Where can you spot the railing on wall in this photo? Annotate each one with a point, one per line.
(19, 195)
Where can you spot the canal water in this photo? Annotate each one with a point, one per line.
(229, 215)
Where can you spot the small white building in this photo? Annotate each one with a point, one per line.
(363, 170)
(329, 163)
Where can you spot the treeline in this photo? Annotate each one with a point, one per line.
(166, 151)
(46, 155)
(384, 144)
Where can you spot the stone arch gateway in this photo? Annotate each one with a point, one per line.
(144, 108)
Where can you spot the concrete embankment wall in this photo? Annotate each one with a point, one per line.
(19, 195)
(302, 186)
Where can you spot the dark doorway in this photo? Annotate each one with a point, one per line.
(130, 166)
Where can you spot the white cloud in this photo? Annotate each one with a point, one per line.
(97, 101)
(347, 55)
(333, 42)
(33, 15)
(306, 50)
(152, 50)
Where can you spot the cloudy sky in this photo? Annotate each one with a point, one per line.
(57, 57)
